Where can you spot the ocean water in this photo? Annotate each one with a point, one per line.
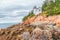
(5, 25)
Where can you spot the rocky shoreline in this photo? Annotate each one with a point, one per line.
(30, 32)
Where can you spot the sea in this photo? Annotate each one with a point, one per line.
(5, 25)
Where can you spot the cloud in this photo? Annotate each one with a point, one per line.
(11, 19)
(15, 10)
(18, 4)
(15, 13)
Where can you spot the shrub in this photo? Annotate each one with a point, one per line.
(52, 8)
(31, 14)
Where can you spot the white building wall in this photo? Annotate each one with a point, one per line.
(37, 10)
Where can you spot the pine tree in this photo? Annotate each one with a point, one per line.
(52, 8)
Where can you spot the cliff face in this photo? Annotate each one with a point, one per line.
(53, 19)
(38, 27)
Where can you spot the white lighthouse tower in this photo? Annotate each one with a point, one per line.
(37, 10)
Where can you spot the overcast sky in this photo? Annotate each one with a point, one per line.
(14, 10)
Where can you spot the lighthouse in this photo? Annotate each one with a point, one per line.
(37, 10)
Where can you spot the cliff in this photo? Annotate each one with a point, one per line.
(42, 18)
(38, 27)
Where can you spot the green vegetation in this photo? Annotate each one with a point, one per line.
(31, 14)
(52, 8)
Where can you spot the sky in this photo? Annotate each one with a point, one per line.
(12, 11)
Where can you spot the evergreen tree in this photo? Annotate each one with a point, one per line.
(52, 8)
(31, 14)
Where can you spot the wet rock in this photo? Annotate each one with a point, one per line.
(26, 36)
